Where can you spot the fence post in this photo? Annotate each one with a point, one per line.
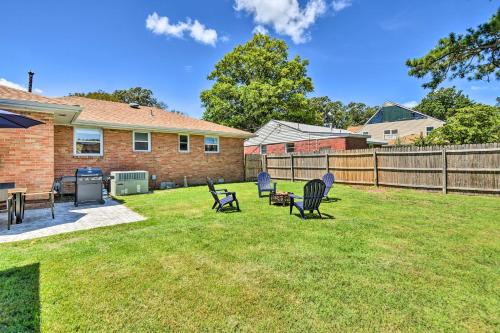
(445, 173)
(263, 161)
(375, 167)
(327, 163)
(292, 176)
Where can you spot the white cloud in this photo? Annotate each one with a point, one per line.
(7, 83)
(285, 16)
(10, 84)
(339, 5)
(161, 25)
(410, 104)
(260, 29)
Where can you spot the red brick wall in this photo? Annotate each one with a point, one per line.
(309, 146)
(27, 155)
(164, 160)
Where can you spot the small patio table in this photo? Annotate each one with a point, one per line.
(17, 194)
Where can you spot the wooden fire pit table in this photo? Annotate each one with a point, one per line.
(279, 198)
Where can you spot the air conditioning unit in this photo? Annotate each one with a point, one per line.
(129, 182)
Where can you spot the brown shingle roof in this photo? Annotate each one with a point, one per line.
(113, 114)
(21, 95)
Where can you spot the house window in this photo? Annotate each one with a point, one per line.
(211, 144)
(366, 133)
(142, 141)
(390, 134)
(183, 143)
(289, 147)
(429, 129)
(87, 142)
(263, 149)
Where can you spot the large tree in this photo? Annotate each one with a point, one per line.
(443, 103)
(333, 112)
(359, 113)
(474, 55)
(257, 82)
(473, 124)
(137, 95)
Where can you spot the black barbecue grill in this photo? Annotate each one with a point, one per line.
(88, 186)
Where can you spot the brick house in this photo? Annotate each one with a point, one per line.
(280, 137)
(80, 132)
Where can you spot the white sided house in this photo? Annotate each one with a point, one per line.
(395, 123)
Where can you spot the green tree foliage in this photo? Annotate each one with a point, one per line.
(256, 82)
(137, 95)
(342, 115)
(359, 113)
(443, 103)
(473, 124)
(474, 55)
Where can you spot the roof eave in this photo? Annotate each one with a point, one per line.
(162, 129)
(20, 105)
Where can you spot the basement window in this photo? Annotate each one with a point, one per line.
(211, 144)
(289, 147)
(142, 141)
(184, 143)
(87, 142)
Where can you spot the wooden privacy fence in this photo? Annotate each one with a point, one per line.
(459, 168)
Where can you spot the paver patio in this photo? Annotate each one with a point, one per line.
(39, 223)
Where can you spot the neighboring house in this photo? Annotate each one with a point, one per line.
(280, 137)
(395, 123)
(80, 132)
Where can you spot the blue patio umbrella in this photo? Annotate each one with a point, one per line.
(14, 120)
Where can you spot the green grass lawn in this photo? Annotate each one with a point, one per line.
(385, 260)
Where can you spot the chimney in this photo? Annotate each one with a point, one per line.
(30, 81)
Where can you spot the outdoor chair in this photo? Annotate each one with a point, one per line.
(9, 205)
(39, 198)
(264, 184)
(328, 179)
(229, 199)
(313, 194)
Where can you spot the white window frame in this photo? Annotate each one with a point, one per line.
(286, 147)
(101, 145)
(149, 142)
(261, 151)
(427, 132)
(393, 134)
(188, 143)
(218, 144)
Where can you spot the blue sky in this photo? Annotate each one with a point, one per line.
(357, 49)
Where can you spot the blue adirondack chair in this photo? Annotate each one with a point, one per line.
(264, 184)
(229, 199)
(313, 194)
(328, 179)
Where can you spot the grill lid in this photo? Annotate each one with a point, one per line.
(88, 172)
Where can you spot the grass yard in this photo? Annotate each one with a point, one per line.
(386, 260)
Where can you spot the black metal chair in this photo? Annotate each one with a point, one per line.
(264, 184)
(328, 179)
(229, 199)
(313, 194)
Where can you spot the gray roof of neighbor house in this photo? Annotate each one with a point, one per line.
(391, 112)
(279, 131)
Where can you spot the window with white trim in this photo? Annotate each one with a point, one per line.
(289, 147)
(429, 129)
(211, 144)
(183, 143)
(87, 142)
(263, 149)
(142, 141)
(390, 134)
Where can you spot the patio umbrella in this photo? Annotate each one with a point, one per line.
(14, 120)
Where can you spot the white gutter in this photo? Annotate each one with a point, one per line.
(20, 105)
